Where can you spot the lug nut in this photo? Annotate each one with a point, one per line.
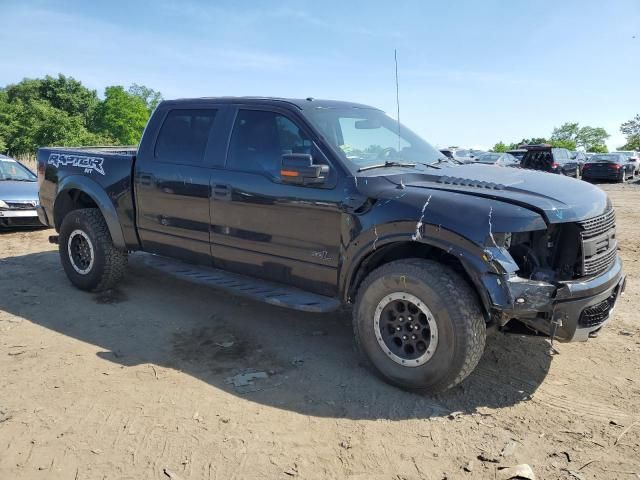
(409, 318)
(404, 337)
(400, 319)
(413, 337)
(398, 329)
(416, 327)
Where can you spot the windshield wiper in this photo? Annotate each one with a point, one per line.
(386, 165)
(18, 179)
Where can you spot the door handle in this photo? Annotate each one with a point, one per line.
(222, 191)
(146, 179)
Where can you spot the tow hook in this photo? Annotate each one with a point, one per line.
(55, 239)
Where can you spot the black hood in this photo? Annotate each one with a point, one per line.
(559, 198)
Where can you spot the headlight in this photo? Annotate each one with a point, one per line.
(3, 205)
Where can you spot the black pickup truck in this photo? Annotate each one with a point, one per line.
(314, 205)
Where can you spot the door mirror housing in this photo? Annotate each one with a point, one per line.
(299, 169)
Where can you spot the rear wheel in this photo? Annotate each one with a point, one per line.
(419, 324)
(88, 255)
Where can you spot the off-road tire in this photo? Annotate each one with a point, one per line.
(109, 262)
(455, 308)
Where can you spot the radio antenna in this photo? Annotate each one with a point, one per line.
(395, 58)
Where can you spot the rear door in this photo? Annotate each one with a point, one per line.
(172, 182)
(263, 227)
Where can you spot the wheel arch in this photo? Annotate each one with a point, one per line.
(465, 264)
(78, 192)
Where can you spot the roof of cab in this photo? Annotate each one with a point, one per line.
(300, 103)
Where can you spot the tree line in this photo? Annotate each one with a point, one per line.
(60, 111)
(571, 135)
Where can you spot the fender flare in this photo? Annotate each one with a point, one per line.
(471, 256)
(100, 197)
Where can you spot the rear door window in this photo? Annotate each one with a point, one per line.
(184, 136)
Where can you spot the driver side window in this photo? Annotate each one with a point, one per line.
(259, 140)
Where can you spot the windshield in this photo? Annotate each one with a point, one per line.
(12, 170)
(488, 158)
(367, 137)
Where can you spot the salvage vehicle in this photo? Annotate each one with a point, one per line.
(550, 159)
(608, 166)
(18, 195)
(316, 204)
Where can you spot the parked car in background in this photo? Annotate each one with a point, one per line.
(579, 157)
(633, 157)
(550, 159)
(499, 159)
(18, 194)
(518, 153)
(608, 166)
(466, 155)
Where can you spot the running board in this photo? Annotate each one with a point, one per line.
(253, 288)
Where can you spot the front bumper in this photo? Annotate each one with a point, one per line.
(577, 308)
(18, 218)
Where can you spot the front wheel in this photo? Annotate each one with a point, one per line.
(88, 255)
(419, 324)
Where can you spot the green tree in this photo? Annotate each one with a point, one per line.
(63, 93)
(150, 97)
(122, 115)
(631, 130)
(567, 131)
(572, 134)
(592, 138)
(563, 143)
(599, 149)
(500, 147)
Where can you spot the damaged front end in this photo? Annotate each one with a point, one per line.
(561, 281)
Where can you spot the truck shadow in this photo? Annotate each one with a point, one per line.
(306, 363)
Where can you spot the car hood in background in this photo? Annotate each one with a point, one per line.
(15, 191)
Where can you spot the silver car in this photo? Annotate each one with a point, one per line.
(18, 195)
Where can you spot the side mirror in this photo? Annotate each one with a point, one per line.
(299, 169)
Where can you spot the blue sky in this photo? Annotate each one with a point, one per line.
(471, 72)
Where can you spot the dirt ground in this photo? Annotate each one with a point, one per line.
(135, 384)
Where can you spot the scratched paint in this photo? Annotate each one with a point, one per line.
(418, 234)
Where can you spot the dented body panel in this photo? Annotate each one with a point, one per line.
(517, 235)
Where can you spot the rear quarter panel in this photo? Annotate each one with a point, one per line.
(104, 175)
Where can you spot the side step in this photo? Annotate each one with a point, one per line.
(254, 288)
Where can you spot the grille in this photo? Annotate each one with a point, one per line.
(598, 225)
(596, 314)
(599, 246)
(26, 205)
(599, 263)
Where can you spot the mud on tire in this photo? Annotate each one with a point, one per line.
(456, 318)
(88, 255)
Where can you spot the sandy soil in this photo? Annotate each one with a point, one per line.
(133, 384)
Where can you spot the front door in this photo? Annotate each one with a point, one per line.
(260, 226)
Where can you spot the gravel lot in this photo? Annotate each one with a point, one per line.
(137, 384)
